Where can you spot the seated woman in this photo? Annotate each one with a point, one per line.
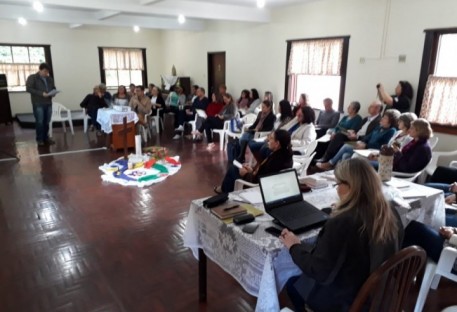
(92, 103)
(417, 233)
(402, 137)
(286, 116)
(217, 122)
(157, 101)
(279, 159)
(243, 102)
(302, 102)
(254, 101)
(141, 104)
(415, 155)
(214, 107)
(264, 122)
(306, 132)
(362, 225)
(380, 136)
(121, 98)
(351, 123)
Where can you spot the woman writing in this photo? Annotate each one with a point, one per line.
(361, 234)
(279, 159)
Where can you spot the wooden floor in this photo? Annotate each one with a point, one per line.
(70, 242)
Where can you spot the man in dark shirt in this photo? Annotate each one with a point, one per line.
(39, 86)
(188, 113)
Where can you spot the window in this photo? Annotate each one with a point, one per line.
(317, 67)
(122, 66)
(437, 91)
(18, 61)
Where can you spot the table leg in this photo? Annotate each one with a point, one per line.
(201, 275)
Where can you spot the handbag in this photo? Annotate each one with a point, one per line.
(215, 201)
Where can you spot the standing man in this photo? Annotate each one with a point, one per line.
(39, 85)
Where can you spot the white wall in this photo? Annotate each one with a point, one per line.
(256, 54)
(75, 56)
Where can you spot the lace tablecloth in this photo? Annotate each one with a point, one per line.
(259, 261)
(107, 117)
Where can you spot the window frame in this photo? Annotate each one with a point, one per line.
(428, 65)
(47, 57)
(144, 74)
(343, 70)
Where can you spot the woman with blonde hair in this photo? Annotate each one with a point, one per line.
(415, 155)
(361, 234)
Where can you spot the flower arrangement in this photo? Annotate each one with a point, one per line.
(156, 152)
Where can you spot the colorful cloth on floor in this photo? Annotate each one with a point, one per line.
(143, 173)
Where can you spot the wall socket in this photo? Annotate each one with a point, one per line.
(402, 58)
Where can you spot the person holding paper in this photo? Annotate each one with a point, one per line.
(42, 89)
(279, 159)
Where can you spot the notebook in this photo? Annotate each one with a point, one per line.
(283, 201)
(228, 210)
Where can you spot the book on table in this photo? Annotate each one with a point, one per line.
(228, 210)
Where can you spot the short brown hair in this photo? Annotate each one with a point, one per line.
(423, 128)
(393, 116)
(407, 119)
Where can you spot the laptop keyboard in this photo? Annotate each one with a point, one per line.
(294, 211)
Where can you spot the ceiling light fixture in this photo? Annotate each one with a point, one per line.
(22, 21)
(260, 4)
(38, 6)
(181, 19)
(136, 28)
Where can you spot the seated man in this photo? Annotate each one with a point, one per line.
(141, 105)
(188, 113)
(368, 124)
(327, 119)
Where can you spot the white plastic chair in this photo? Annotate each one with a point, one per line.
(433, 273)
(199, 113)
(411, 177)
(433, 141)
(240, 184)
(156, 120)
(248, 120)
(222, 133)
(85, 120)
(307, 149)
(57, 116)
(301, 163)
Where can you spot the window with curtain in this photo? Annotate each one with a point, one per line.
(20, 61)
(439, 101)
(317, 67)
(122, 66)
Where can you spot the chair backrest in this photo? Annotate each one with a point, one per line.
(433, 141)
(305, 162)
(310, 148)
(387, 288)
(57, 110)
(249, 118)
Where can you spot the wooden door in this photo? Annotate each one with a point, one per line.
(216, 71)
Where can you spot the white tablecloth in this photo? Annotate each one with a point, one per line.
(260, 262)
(107, 117)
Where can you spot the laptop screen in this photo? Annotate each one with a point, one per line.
(280, 187)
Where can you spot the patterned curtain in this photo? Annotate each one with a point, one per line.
(17, 74)
(316, 57)
(292, 88)
(123, 59)
(440, 100)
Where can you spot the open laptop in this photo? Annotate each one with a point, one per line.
(283, 200)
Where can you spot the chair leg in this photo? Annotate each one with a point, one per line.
(71, 127)
(50, 130)
(427, 281)
(85, 122)
(63, 126)
(221, 141)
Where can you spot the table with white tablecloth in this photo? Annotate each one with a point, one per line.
(108, 117)
(259, 261)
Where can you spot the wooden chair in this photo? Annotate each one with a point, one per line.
(388, 287)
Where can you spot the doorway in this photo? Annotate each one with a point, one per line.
(216, 71)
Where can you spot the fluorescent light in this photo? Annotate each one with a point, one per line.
(181, 19)
(260, 4)
(136, 28)
(22, 21)
(38, 6)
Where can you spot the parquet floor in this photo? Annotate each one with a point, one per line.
(71, 242)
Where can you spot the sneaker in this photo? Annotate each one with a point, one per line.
(40, 143)
(180, 128)
(50, 141)
(177, 137)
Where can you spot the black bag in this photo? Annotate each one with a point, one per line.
(233, 150)
(215, 200)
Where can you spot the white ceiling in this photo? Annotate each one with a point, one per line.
(154, 14)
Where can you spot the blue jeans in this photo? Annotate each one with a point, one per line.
(259, 149)
(345, 152)
(419, 234)
(42, 114)
(451, 215)
(228, 184)
(244, 140)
